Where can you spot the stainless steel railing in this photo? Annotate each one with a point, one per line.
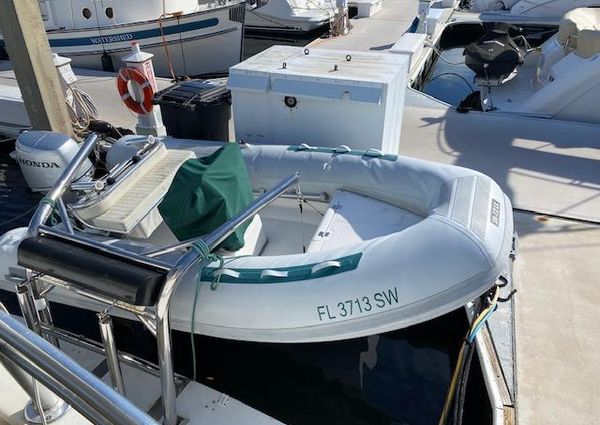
(159, 323)
(63, 376)
(185, 263)
(45, 209)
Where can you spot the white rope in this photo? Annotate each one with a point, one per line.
(82, 111)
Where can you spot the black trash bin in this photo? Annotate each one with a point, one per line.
(196, 109)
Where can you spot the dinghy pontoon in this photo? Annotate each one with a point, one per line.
(395, 241)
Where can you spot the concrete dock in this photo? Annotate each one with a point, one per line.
(376, 33)
(557, 318)
(550, 173)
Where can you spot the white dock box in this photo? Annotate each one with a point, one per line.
(292, 95)
(410, 44)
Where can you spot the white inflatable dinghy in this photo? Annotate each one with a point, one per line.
(380, 242)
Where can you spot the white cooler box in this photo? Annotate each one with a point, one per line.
(292, 95)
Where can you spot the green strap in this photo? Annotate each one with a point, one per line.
(49, 201)
(296, 273)
(202, 248)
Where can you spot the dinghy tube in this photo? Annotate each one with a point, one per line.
(403, 241)
(452, 248)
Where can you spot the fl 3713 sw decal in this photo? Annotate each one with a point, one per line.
(358, 306)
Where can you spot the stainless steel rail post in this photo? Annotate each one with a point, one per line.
(27, 307)
(49, 405)
(91, 397)
(44, 210)
(191, 258)
(29, 310)
(64, 216)
(110, 348)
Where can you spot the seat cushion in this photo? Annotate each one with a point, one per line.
(353, 218)
(94, 271)
(588, 43)
(575, 21)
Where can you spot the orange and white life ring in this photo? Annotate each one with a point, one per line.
(132, 74)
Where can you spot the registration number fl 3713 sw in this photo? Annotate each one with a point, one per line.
(358, 306)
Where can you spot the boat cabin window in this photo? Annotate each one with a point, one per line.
(87, 13)
(110, 13)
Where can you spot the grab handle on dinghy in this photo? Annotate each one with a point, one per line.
(325, 265)
(226, 272)
(304, 147)
(273, 273)
(342, 149)
(376, 153)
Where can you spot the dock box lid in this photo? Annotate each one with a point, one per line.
(333, 67)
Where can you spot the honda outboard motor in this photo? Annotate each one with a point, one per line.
(44, 155)
(495, 55)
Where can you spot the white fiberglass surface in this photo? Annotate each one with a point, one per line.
(287, 230)
(452, 81)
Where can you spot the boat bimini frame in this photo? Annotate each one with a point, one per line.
(32, 292)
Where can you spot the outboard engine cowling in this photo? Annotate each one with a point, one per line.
(44, 155)
(495, 55)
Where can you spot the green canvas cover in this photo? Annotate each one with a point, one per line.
(205, 193)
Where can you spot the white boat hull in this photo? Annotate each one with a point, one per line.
(289, 16)
(261, 22)
(198, 43)
(555, 9)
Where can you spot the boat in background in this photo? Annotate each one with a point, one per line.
(558, 79)
(187, 37)
(289, 16)
(501, 64)
(527, 8)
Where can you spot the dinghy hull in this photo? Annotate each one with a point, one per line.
(403, 241)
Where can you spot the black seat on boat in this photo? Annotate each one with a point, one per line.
(103, 273)
(496, 54)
